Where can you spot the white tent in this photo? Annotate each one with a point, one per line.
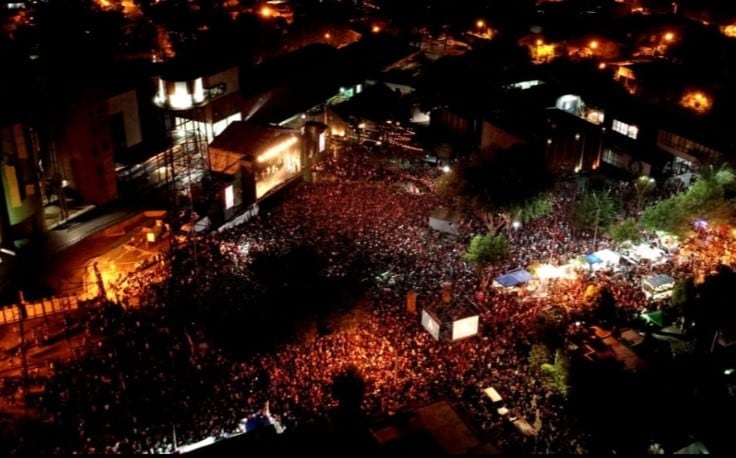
(608, 256)
(645, 251)
(445, 220)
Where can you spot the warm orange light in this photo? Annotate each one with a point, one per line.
(266, 11)
(276, 150)
(542, 52)
(593, 44)
(480, 23)
(327, 36)
(729, 30)
(375, 29)
(697, 101)
(669, 36)
(602, 66)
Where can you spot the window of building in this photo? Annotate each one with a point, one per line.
(676, 143)
(615, 158)
(622, 128)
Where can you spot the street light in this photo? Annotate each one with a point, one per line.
(579, 167)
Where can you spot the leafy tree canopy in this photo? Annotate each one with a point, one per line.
(503, 181)
(705, 198)
(488, 248)
(594, 208)
(627, 229)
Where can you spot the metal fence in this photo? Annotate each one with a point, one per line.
(12, 313)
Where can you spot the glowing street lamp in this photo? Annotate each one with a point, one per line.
(375, 29)
(593, 44)
(669, 37)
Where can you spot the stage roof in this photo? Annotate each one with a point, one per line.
(513, 278)
(249, 139)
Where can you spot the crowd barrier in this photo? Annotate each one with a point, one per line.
(12, 313)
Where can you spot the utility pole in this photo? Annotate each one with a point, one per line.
(24, 358)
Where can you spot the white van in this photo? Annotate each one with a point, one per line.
(496, 400)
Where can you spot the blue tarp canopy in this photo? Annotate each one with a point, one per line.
(513, 278)
(593, 259)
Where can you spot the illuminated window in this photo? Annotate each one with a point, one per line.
(595, 116)
(622, 128)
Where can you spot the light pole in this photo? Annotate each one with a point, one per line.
(597, 220)
(582, 150)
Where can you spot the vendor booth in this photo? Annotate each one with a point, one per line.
(512, 278)
(658, 286)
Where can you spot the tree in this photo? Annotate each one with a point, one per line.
(713, 310)
(348, 388)
(643, 186)
(553, 365)
(705, 199)
(601, 301)
(550, 325)
(556, 374)
(627, 229)
(683, 298)
(499, 183)
(536, 207)
(667, 215)
(484, 249)
(593, 209)
(444, 151)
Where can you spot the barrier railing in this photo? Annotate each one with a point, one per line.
(12, 313)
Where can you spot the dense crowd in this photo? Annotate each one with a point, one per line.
(151, 380)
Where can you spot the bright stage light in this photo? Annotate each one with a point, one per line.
(276, 150)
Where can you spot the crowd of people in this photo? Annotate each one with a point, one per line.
(150, 382)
